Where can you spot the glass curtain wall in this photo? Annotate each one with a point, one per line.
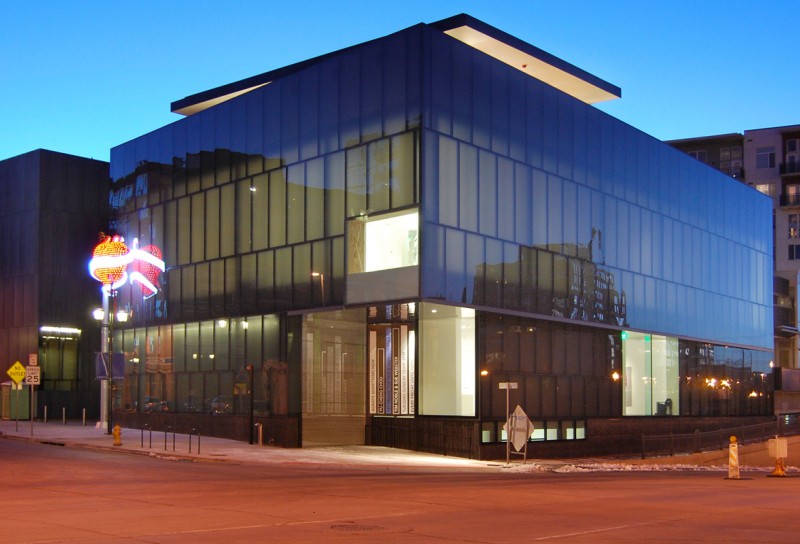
(200, 367)
(246, 199)
(547, 205)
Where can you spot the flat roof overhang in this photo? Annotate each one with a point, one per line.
(787, 331)
(529, 59)
(189, 107)
(494, 42)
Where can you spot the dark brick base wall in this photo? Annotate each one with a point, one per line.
(445, 436)
(460, 438)
(279, 431)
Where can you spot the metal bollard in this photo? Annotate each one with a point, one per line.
(260, 428)
(83, 417)
(166, 431)
(192, 432)
(146, 426)
(63, 416)
(45, 413)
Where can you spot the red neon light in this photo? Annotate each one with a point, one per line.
(110, 256)
(149, 268)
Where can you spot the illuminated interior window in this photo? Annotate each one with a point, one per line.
(766, 188)
(383, 242)
(650, 375)
(447, 360)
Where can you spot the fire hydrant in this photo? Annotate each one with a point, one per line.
(117, 434)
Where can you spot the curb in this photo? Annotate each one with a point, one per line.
(116, 449)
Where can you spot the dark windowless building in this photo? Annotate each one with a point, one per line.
(361, 247)
(52, 207)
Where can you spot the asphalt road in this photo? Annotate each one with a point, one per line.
(61, 495)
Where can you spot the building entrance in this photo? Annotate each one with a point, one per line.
(334, 378)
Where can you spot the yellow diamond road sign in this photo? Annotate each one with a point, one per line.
(17, 372)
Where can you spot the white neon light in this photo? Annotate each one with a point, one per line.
(108, 261)
(134, 255)
(138, 276)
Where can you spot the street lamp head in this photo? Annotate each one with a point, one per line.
(98, 314)
(122, 316)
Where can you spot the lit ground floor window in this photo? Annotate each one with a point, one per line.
(651, 377)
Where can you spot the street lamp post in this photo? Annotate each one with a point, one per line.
(508, 386)
(101, 315)
(250, 392)
(107, 320)
(110, 258)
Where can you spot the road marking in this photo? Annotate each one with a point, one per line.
(606, 529)
(199, 531)
(339, 520)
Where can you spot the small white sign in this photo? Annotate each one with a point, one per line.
(32, 375)
(33, 359)
(518, 428)
(778, 448)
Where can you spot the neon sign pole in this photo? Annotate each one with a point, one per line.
(109, 264)
(110, 258)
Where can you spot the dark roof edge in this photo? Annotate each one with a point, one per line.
(266, 77)
(467, 20)
(728, 136)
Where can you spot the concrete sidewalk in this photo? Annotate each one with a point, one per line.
(207, 449)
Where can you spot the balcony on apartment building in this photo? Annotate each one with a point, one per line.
(784, 313)
(790, 168)
(733, 171)
(790, 200)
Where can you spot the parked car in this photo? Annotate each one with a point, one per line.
(193, 406)
(155, 404)
(222, 405)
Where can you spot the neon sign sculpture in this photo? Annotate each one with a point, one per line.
(147, 265)
(111, 258)
(109, 261)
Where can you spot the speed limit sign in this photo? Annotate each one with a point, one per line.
(32, 375)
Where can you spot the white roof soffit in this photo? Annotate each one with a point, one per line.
(533, 66)
(200, 106)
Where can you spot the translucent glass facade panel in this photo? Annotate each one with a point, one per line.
(630, 218)
(200, 367)
(246, 200)
(272, 194)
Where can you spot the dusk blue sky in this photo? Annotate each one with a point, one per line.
(81, 77)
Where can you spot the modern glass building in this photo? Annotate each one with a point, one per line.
(360, 248)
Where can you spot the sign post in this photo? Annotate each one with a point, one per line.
(508, 386)
(32, 377)
(778, 449)
(17, 373)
